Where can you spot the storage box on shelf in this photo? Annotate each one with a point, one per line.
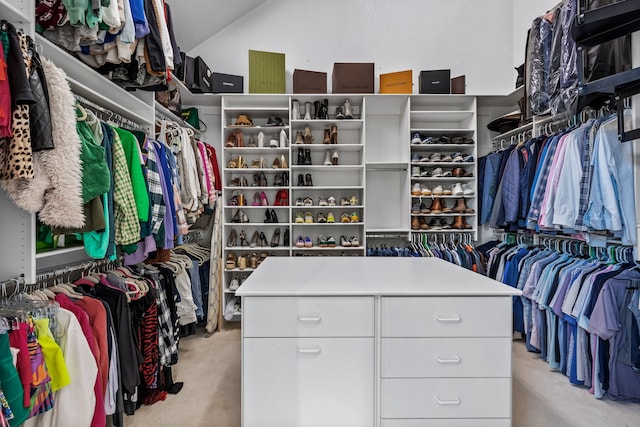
(443, 164)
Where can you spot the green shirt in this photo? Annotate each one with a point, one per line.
(134, 164)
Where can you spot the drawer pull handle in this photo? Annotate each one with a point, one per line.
(309, 319)
(309, 350)
(456, 359)
(456, 401)
(454, 319)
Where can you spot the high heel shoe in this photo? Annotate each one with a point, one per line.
(276, 163)
(300, 156)
(300, 180)
(263, 199)
(284, 198)
(239, 137)
(307, 180)
(327, 137)
(254, 239)
(231, 141)
(263, 240)
(243, 239)
(334, 134)
(308, 136)
(299, 138)
(263, 180)
(283, 162)
(327, 158)
(339, 113)
(278, 181)
(275, 240)
(258, 163)
(233, 238)
(348, 114)
(335, 158)
(256, 199)
(267, 216)
(274, 217)
(285, 179)
(307, 111)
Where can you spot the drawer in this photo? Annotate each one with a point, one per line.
(446, 398)
(308, 382)
(308, 316)
(502, 422)
(446, 317)
(446, 357)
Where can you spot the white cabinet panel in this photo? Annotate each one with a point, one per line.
(504, 422)
(308, 382)
(308, 317)
(446, 357)
(446, 316)
(446, 398)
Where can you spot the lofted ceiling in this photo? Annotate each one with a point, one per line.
(194, 21)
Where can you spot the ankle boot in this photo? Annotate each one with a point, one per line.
(307, 157)
(458, 223)
(299, 138)
(465, 224)
(327, 158)
(308, 181)
(415, 223)
(300, 156)
(325, 109)
(300, 180)
(307, 111)
(327, 137)
(308, 136)
(334, 134)
(436, 206)
(283, 139)
(295, 110)
(316, 110)
(460, 207)
(348, 114)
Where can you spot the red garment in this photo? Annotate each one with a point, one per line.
(99, 414)
(216, 169)
(5, 98)
(18, 339)
(98, 320)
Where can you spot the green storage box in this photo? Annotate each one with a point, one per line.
(266, 72)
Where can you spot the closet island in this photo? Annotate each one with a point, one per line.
(390, 342)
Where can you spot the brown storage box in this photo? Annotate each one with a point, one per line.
(309, 81)
(353, 77)
(458, 85)
(400, 82)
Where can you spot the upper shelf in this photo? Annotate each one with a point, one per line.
(16, 11)
(606, 23)
(88, 83)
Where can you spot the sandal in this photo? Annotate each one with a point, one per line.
(231, 262)
(239, 137)
(244, 120)
(231, 141)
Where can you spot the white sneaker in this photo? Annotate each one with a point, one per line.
(426, 191)
(415, 171)
(416, 139)
(467, 189)
(437, 190)
(322, 201)
(416, 190)
(435, 157)
(234, 285)
(457, 189)
(436, 173)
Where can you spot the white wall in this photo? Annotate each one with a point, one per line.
(470, 37)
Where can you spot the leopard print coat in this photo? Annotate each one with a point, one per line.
(16, 157)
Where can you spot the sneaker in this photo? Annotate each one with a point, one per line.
(416, 190)
(353, 201)
(331, 242)
(299, 202)
(446, 158)
(300, 242)
(322, 201)
(345, 242)
(424, 209)
(355, 217)
(321, 218)
(308, 218)
(435, 157)
(456, 190)
(467, 189)
(308, 201)
(415, 171)
(308, 243)
(447, 191)
(468, 159)
(354, 242)
(344, 201)
(437, 190)
(426, 191)
(428, 140)
(299, 218)
(415, 208)
(436, 224)
(331, 201)
(416, 157)
(436, 173)
(234, 285)
(345, 217)
(330, 218)
(425, 173)
(458, 157)
(322, 241)
(416, 138)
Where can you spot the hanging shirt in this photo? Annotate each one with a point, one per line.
(127, 226)
(134, 166)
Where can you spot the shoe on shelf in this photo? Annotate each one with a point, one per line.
(300, 156)
(415, 157)
(299, 218)
(321, 218)
(416, 138)
(308, 182)
(261, 139)
(235, 182)
(435, 157)
(425, 173)
(283, 138)
(353, 201)
(243, 239)
(308, 218)
(415, 208)
(437, 190)
(327, 158)
(242, 262)
(322, 241)
(276, 163)
(263, 240)
(348, 113)
(457, 158)
(446, 225)
(436, 224)
(307, 111)
(234, 284)
(415, 223)
(456, 190)
(233, 238)
(283, 162)
(415, 171)
(423, 223)
(335, 159)
(468, 159)
(252, 142)
(355, 242)
(231, 263)
(447, 191)
(308, 243)
(345, 217)
(331, 242)
(273, 143)
(263, 199)
(446, 158)
(460, 207)
(300, 180)
(339, 113)
(256, 199)
(334, 134)
(307, 157)
(295, 109)
(275, 240)
(345, 242)
(331, 201)
(331, 218)
(426, 191)
(322, 201)
(307, 135)
(445, 208)
(254, 239)
(299, 138)
(424, 209)
(436, 173)
(436, 206)
(457, 172)
(299, 201)
(344, 201)
(307, 201)
(300, 242)
(354, 217)
(327, 136)
(467, 189)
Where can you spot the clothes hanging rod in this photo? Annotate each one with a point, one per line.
(111, 115)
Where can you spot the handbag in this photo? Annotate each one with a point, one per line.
(171, 100)
(190, 116)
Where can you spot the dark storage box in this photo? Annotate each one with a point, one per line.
(353, 77)
(459, 85)
(197, 75)
(435, 81)
(309, 81)
(227, 83)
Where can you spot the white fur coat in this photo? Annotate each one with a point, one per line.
(55, 192)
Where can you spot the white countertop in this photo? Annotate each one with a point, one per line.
(329, 276)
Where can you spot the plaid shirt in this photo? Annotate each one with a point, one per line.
(125, 211)
(158, 207)
(587, 171)
(167, 344)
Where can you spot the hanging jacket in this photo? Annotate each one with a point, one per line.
(39, 115)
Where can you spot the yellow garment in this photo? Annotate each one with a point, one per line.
(52, 355)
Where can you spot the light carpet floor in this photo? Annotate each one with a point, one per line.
(210, 369)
